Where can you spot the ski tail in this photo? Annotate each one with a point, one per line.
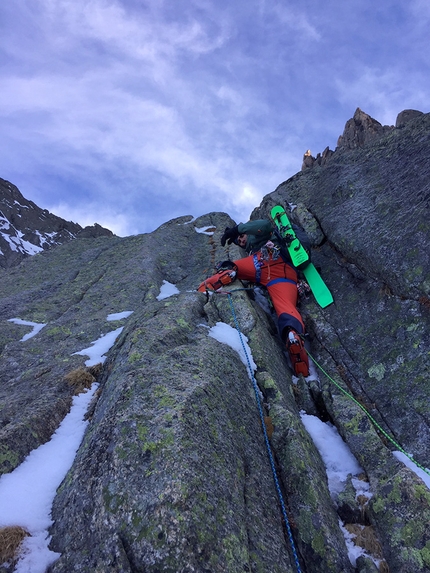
(319, 289)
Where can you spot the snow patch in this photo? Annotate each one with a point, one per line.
(226, 334)
(412, 466)
(27, 493)
(336, 455)
(192, 219)
(167, 289)
(46, 238)
(4, 223)
(340, 463)
(205, 230)
(36, 327)
(119, 315)
(19, 245)
(100, 347)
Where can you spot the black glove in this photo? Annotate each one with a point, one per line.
(230, 235)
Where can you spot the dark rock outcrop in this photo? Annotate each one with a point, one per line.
(26, 229)
(172, 474)
(360, 130)
(407, 115)
(321, 158)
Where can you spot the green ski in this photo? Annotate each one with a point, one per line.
(319, 289)
(300, 257)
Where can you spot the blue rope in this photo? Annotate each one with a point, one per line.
(266, 440)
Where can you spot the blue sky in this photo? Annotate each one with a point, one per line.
(130, 113)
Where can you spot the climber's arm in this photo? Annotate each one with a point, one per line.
(219, 280)
(258, 228)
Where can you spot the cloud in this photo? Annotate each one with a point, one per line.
(135, 130)
(384, 95)
(159, 109)
(421, 10)
(297, 20)
(88, 214)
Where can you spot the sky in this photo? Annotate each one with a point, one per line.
(130, 113)
(27, 493)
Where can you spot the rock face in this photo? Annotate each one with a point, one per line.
(360, 130)
(173, 473)
(407, 115)
(25, 229)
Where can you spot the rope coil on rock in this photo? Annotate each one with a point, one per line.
(266, 439)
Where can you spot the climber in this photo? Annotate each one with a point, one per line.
(267, 264)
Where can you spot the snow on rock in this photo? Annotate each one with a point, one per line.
(97, 352)
(167, 290)
(226, 334)
(26, 494)
(336, 455)
(423, 473)
(37, 327)
(119, 315)
(205, 230)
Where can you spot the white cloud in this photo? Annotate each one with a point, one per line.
(421, 10)
(188, 107)
(383, 95)
(298, 20)
(87, 215)
(143, 35)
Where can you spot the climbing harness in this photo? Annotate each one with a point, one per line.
(371, 418)
(270, 251)
(257, 265)
(266, 439)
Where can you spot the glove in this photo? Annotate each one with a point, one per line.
(230, 235)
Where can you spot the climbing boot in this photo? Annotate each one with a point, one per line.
(298, 355)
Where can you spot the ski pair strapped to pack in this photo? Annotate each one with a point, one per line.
(300, 257)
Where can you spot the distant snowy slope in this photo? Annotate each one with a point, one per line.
(26, 229)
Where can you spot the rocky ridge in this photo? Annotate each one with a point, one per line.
(172, 474)
(26, 229)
